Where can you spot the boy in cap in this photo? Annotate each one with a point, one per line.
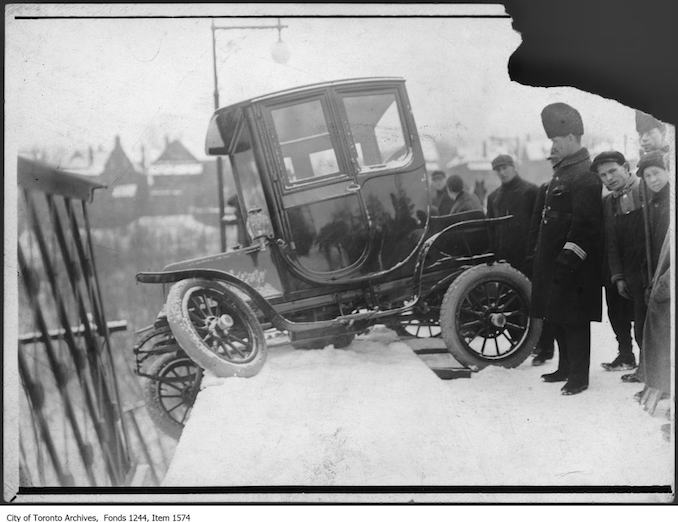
(514, 197)
(656, 356)
(566, 282)
(652, 169)
(624, 268)
(654, 195)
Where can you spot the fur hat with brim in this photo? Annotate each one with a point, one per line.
(560, 119)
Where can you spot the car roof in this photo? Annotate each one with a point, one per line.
(311, 87)
(230, 114)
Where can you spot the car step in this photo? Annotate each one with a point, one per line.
(447, 374)
(429, 351)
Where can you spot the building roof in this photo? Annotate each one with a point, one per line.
(119, 169)
(175, 152)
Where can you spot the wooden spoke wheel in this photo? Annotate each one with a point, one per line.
(216, 327)
(420, 327)
(171, 391)
(485, 317)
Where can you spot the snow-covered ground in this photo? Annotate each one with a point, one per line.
(375, 414)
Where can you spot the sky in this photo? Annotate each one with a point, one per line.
(74, 82)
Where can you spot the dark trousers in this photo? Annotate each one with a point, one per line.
(637, 291)
(620, 312)
(574, 351)
(546, 340)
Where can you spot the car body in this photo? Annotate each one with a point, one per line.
(334, 210)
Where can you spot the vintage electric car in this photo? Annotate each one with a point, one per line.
(339, 235)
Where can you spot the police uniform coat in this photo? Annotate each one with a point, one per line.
(571, 219)
(515, 198)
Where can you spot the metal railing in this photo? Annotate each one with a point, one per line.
(80, 433)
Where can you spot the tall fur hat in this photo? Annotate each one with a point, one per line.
(560, 119)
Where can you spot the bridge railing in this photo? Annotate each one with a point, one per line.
(74, 429)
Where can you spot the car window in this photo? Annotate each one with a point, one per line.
(376, 129)
(248, 174)
(305, 141)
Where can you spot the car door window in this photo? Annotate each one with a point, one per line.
(377, 130)
(305, 141)
(248, 173)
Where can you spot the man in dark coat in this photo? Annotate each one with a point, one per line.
(566, 282)
(515, 197)
(457, 199)
(624, 269)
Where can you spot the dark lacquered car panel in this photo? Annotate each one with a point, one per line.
(338, 171)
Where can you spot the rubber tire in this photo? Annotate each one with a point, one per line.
(158, 414)
(193, 345)
(455, 294)
(343, 341)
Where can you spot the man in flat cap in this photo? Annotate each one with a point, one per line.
(514, 197)
(566, 281)
(457, 199)
(651, 133)
(438, 189)
(624, 255)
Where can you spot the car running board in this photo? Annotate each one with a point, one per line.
(446, 373)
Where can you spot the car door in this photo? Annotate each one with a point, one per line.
(389, 168)
(325, 221)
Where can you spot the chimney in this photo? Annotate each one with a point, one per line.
(166, 140)
(142, 162)
(117, 141)
(90, 156)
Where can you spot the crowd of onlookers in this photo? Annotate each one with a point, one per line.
(571, 237)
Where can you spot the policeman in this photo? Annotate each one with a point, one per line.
(566, 284)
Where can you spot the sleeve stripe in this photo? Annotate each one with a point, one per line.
(576, 249)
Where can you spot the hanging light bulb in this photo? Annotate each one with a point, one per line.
(280, 51)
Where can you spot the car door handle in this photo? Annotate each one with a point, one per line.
(352, 187)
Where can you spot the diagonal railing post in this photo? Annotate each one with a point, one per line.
(56, 367)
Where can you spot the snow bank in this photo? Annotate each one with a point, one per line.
(375, 414)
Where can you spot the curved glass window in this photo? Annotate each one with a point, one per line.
(377, 130)
(305, 142)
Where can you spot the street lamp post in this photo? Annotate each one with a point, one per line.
(280, 54)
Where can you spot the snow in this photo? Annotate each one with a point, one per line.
(375, 414)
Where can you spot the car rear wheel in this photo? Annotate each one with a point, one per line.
(418, 327)
(216, 327)
(171, 391)
(485, 317)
